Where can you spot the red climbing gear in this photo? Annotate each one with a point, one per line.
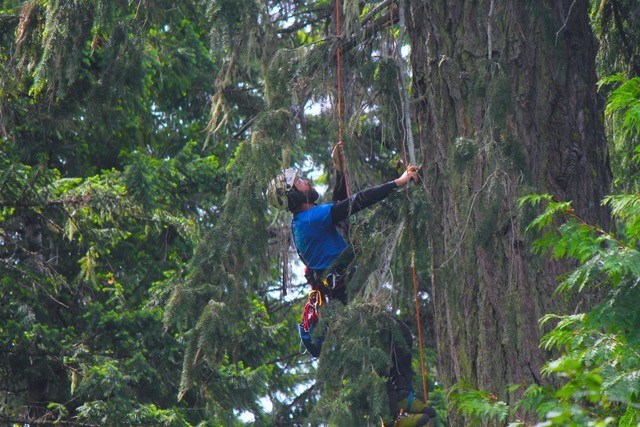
(310, 312)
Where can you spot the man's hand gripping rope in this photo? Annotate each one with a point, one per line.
(410, 174)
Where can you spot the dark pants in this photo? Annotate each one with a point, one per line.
(400, 381)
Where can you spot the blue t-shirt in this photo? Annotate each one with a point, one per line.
(317, 238)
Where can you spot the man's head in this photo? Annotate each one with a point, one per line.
(289, 191)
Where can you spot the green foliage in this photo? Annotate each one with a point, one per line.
(478, 405)
(354, 364)
(500, 99)
(221, 305)
(625, 100)
(623, 116)
(104, 193)
(138, 259)
(599, 350)
(615, 23)
(464, 150)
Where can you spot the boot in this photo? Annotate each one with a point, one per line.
(417, 407)
(411, 420)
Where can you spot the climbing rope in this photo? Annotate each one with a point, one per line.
(285, 265)
(339, 96)
(419, 325)
(408, 150)
(339, 69)
(409, 141)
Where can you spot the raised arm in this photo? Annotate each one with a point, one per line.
(340, 188)
(342, 209)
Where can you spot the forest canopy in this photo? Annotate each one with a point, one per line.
(147, 281)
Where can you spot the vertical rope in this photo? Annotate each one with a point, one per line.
(404, 91)
(339, 70)
(419, 322)
(286, 275)
(408, 145)
(285, 265)
(339, 95)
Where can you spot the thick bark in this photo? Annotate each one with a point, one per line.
(509, 107)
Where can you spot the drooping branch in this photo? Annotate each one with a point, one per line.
(628, 50)
(368, 28)
(8, 20)
(24, 421)
(374, 11)
(81, 200)
(300, 25)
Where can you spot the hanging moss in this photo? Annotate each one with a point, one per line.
(478, 82)
(464, 150)
(276, 125)
(280, 75)
(489, 224)
(513, 151)
(500, 100)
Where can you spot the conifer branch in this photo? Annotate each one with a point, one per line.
(368, 30)
(373, 12)
(6, 20)
(300, 25)
(628, 50)
(26, 421)
(81, 200)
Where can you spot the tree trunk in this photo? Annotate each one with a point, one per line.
(509, 107)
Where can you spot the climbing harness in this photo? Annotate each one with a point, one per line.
(309, 320)
(330, 285)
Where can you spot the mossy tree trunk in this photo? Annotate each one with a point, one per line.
(508, 107)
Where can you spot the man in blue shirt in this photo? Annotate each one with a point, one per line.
(316, 228)
(318, 236)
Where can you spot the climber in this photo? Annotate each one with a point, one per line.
(318, 236)
(316, 228)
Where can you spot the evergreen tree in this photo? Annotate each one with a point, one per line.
(142, 271)
(103, 194)
(616, 25)
(598, 362)
(509, 106)
(236, 262)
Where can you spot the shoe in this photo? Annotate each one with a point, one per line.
(417, 407)
(411, 420)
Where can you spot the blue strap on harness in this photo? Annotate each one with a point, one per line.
(409, 401)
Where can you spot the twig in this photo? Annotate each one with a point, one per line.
(564, 24)
(466, 224)
(489, 39)
(404, 93)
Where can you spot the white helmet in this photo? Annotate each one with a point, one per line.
(279, 187)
